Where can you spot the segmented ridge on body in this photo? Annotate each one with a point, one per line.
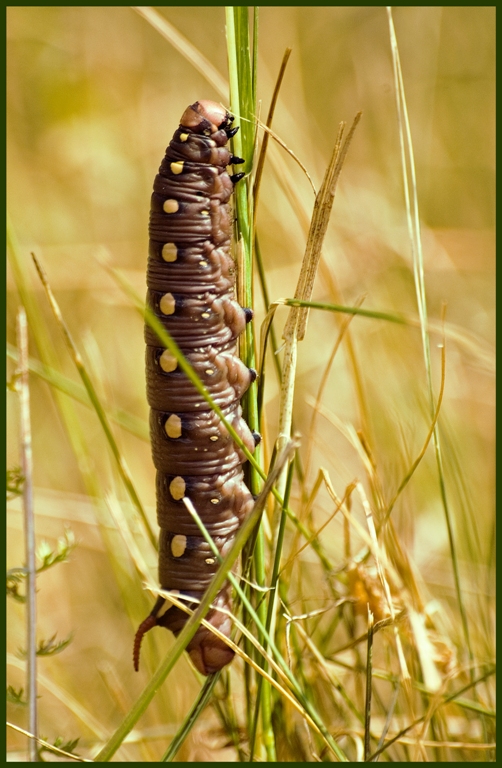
(191, 280)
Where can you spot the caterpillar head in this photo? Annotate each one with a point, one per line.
(205, 116)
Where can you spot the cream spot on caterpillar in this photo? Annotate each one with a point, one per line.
(177, 167)
(205, 315)
(163, 609)
(215, 501)
(209, 560)
(209, 371)
(183, 136)
(167, 304)
(169, 252)
(168, 361)
(173, 426)
(178, 545)
(177, 487)
(214, 438)
(171, 206)
(205, 213)
(203, 263)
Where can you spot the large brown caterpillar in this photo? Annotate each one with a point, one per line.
(191, 282)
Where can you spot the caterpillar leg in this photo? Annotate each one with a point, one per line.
(150, 621)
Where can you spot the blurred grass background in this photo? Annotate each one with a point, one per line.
(94, 95)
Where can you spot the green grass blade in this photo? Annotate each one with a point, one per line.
(45, 348)
(188, 723)
(243, 74)
(132, 424)
(296, 688)
(413, 217)
(96, 402)
(189, 629)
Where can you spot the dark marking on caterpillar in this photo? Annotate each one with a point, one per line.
(191, 280)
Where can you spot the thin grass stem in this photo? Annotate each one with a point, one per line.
(299, 694)
(369, 684)
(29, 533)
(132, 424)
(45, 347)
(49, 747)
(193, 715)
(270, 117)
(188, 631)
(272, 607)
(440, 703)
(185, 47)
(93, 396)
(413, 218)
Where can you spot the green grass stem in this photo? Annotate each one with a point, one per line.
(413, 219)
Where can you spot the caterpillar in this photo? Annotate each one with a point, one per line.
(191, 281)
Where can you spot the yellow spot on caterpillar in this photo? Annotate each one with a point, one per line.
(171, 206)
(209, 371)
(205, 213)
(177, 488)
(168, 361)
(203, 263)
(169, 252)
(167, 304)
(209, 560)
(173, 426)
(183, 136)
(214, 438)
(215, 501)
(177, 167)
(178, 545)
(205, 315)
